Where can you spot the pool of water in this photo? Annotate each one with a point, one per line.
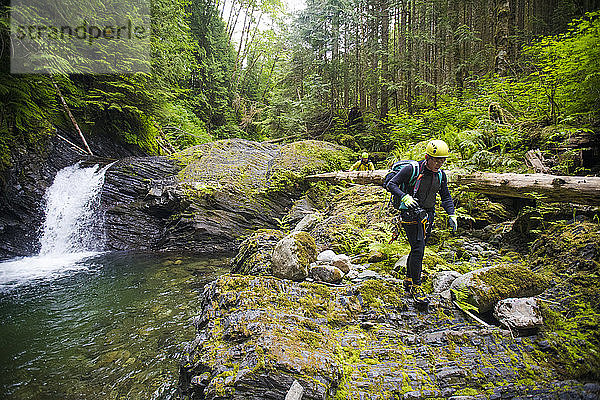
(110, 326)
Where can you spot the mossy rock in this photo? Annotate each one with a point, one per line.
(256, 335)
(484, 287)
(254, 255)
(569, 253)
(357, 218)
(312, 156)
(486, 211)
(568, 247)
(292, 255)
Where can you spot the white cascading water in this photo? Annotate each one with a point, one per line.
(72, 220)
(71, 232)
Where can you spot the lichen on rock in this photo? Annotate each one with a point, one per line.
(254, 254)
(256, 335)
(292, 256)
(484, 287)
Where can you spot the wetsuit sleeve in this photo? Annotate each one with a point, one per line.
(403, 176)
(447, 202)
(355, 166)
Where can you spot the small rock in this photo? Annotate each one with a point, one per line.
(446, 298)
(326, 273)
(296, 391)
(368, 274)
(442, 280)
(401, 263)
(376, 256)
(342, 261)
(326, 256)
(353, 274)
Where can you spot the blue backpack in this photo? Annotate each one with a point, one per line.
(415, 179)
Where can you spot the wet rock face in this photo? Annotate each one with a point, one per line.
(23, 185)
(206, 199)
(256, 335)
(22, 189)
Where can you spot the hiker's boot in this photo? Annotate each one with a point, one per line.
(407, 285)
(419, 296)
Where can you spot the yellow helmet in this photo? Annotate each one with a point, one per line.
(437, 148)
(365, 155)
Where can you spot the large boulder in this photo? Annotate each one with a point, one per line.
(208, 198)
(292, 256)
(484, 287)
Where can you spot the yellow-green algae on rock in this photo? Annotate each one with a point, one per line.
(258, 334)
(569, 255)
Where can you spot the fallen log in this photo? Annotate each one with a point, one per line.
(550, 188)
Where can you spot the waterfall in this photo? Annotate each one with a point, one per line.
(72, 231)
(73, 223)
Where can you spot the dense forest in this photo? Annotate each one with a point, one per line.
(492, 78)
(200, 122)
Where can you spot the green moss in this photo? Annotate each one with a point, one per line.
(312, 156)
(506, 280)
(466, 392)
(572, 328)
(307, 249)
(566, 247)
(285, 181)
(234, 283)
(377, 293)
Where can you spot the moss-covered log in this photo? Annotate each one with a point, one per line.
(572, 189)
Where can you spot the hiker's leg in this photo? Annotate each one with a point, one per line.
(416, 239)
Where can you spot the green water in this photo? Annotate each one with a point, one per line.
(111, 330)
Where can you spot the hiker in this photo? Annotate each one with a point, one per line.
(417, 208)
(364, 164)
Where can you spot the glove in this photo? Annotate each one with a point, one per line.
(409, 201)
(453, 222)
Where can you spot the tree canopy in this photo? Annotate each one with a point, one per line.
(369, 74)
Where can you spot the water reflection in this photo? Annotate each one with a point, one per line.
(112, 329)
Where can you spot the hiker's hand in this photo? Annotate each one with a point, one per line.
(409, 201)
(453, 222)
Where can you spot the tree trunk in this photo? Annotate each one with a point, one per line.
(385, 27)
(68, 111)
(550, 188)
